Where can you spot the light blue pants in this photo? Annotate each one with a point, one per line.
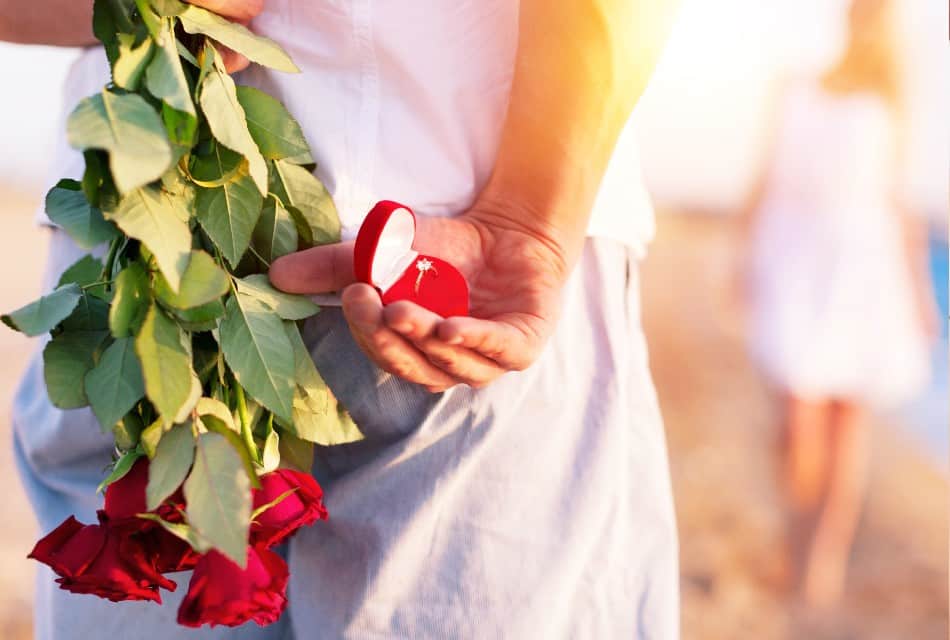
(539, 507)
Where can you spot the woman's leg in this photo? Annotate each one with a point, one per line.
(803, 473)
(849, 448)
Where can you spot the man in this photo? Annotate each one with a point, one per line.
(513, 479)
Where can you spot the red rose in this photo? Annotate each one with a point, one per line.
(220, 592)
(302, 507)
(99, 560)
(126, 496)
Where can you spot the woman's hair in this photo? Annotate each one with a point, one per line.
(871, 60)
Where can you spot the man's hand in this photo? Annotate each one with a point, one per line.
(514, 276)
(242, 11)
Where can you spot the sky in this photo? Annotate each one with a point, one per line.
(700, 122)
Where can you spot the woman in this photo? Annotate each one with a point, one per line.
(839, 291)
(536, 506)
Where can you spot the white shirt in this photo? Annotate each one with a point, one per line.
(404, 101)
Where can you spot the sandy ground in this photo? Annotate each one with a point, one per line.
(22, 255)
(721, 431)
(721, 427)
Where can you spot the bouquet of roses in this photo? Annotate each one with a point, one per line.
(174, 337)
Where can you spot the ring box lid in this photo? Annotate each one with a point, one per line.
(383, 248)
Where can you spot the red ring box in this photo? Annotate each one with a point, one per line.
(383, 257)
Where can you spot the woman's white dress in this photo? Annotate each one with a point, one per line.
(833, 311)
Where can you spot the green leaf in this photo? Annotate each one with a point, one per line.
(121, 467)
(275, 234)
(130, 302)
(44, 314)
(66, 206)
(296, 452)
(129, 129)
(270, 454)
(155, 218)
(165, 78)
(228, 214)
(115, 384)
(226, 118)
(151, 437)
(312, 393)
(307, 199)
(287, 305)
(317, 416)
(256, 48)
(203, 282)
(256, 348)
(109, 18)
(168, 8)
(128, 431)
(274, 130)
(166, 364)
(203, 318)
(180, 530)
(209, 408)
(218, 494)
(66, 359)
(217, 167)
(90, 314)
(133, 59)
(85, 272)
(170, 465)
(212, 424)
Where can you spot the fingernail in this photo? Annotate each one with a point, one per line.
(454, 340)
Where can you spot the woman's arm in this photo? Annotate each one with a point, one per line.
(64, 23)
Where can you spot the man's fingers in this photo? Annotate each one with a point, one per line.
(496, 340)
(419, 326)
(390, 351)
(318, 270)
(233, 61)
(239, 10)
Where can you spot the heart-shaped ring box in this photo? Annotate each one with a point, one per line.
(383, 257)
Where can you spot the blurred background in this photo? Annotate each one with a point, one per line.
(705, 125)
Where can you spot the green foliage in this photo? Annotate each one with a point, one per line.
(128, 128)
(115, 384)
(227, 121)
(159, 221)
(258, 351)
(307, 200)
(193, 185)
(218, 495)
(203, 282)
(287, 305)
(228, 215)
(255, 48)
(66, 360)
(276, 133)
(166, 363)
(131, 301)
(173, 458)
(67, 206)
(41, 316)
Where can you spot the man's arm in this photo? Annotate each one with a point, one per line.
(581, 67)
(63, 23)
